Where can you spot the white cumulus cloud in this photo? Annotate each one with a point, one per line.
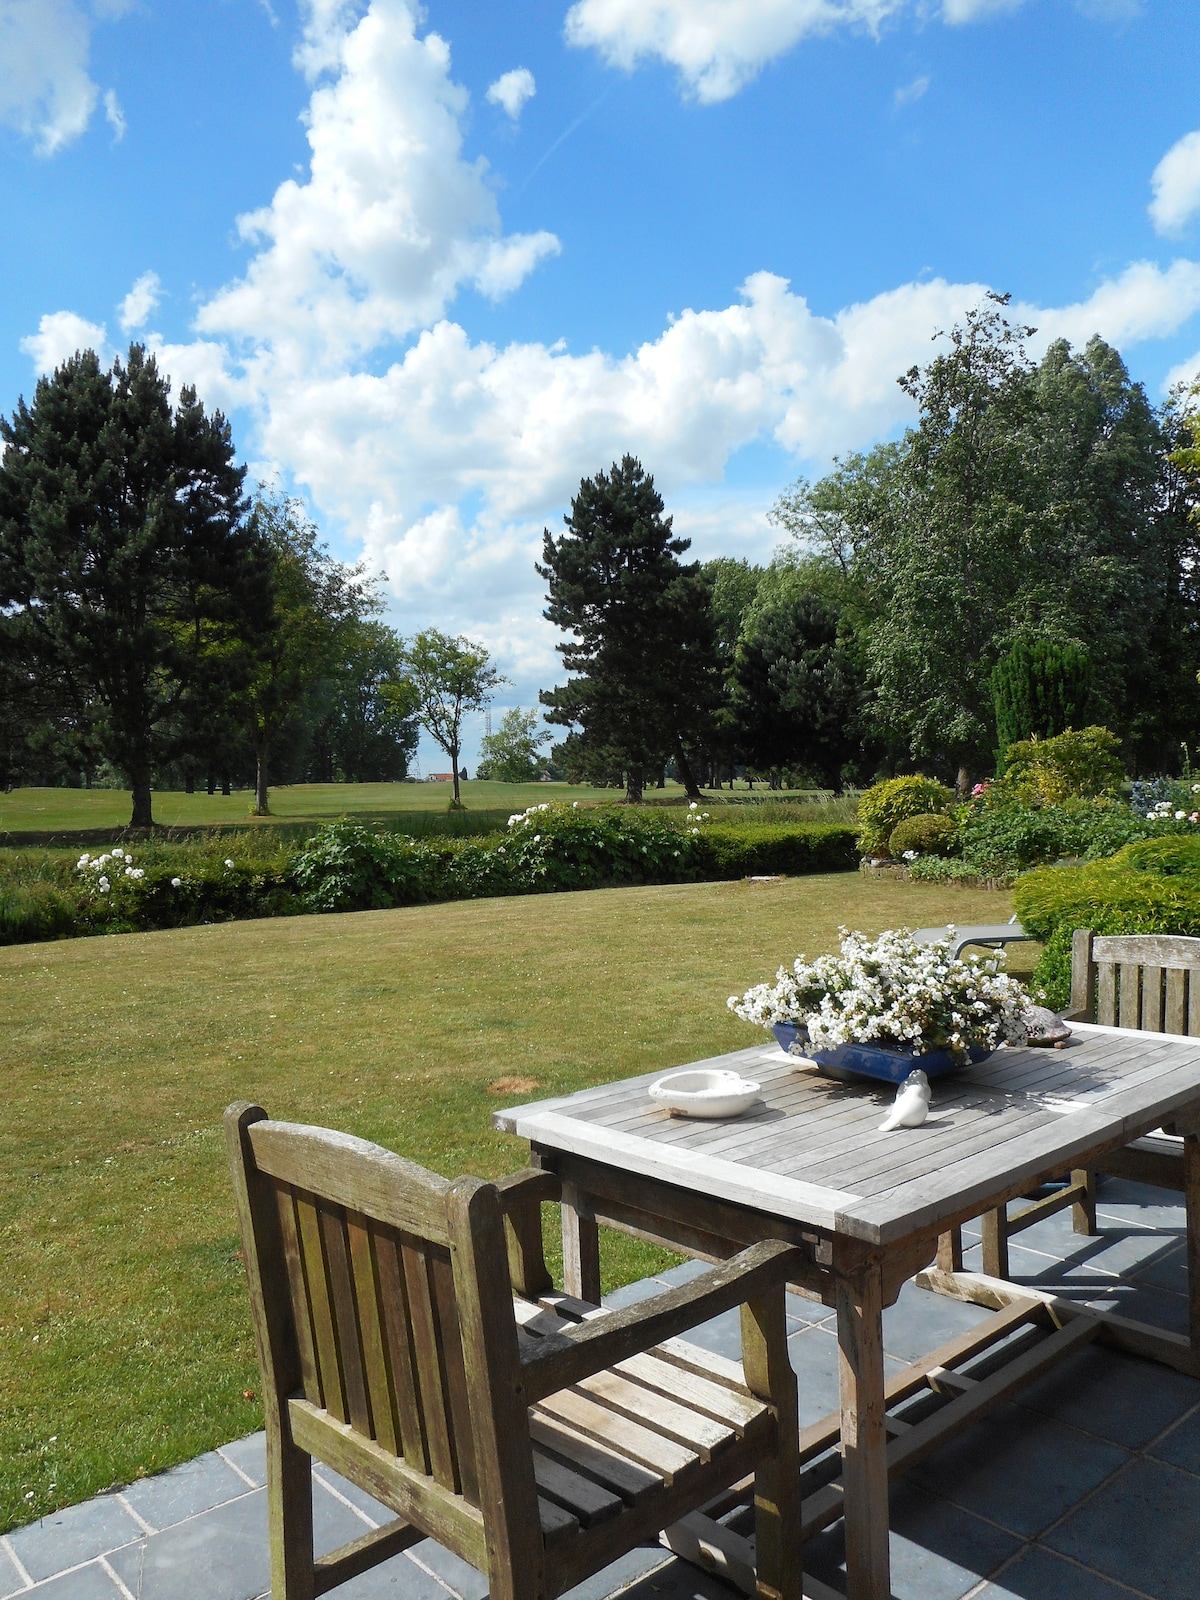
(957, 11)
(512, 89)
(46, 91)
(717, 45)
(60, 334)
(392, 220)
(1176, 185)
(140, 302)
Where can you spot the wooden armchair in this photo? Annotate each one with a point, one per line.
(537, 1448)
(1146, 981)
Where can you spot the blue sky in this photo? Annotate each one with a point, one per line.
(708, 231)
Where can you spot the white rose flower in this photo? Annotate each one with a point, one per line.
(228, 862)
(176, 882)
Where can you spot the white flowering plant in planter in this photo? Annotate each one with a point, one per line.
(895, 993)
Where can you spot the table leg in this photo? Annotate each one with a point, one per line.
(864, 1438)
(581, 1250)
(1191, 1200)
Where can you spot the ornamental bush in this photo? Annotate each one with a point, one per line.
(886, 805)
(1072, 765)
(928, 836)
(1151, 886)
(1002, 831)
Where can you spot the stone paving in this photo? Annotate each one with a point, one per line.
(1086, 1488)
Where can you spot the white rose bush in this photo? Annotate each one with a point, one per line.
(896, 993)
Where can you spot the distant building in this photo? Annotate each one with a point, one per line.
(440, 777)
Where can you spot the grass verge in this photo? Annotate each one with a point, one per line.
(125, 1343)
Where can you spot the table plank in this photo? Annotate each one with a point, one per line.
(813, 1152)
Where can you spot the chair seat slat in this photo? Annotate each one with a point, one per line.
(589, 1502)
(633, 1481)
(666, 1417)
(650, 1449)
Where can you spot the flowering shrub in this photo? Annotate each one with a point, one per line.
(893, 992)
(1002, 831)
(567, 846)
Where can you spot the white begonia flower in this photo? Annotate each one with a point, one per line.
(176, 882)
(83, 860)
(536, 838)
(103, 886)
(117, 853)
(1180, 815)
(228, 862)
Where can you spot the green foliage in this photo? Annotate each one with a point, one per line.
(124, 558)
(1002, 831)
(511, 754)
(942, 869)
(1152, 886)
(881, 808)
(1070, 766)
(1040, 688)
(792, 690)
(640, 639)
(928, 835)
(746, 851)
(451, 677)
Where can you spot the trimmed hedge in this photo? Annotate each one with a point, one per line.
(1151, 886)
(348, 866)
(892, 802)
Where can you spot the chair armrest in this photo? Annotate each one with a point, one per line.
(561, 1359)
(526, 1188)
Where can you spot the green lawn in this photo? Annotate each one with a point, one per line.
(124, 1337)
(74, 810)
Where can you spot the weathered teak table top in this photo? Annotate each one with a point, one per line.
(812, 1151)
(810, 1165)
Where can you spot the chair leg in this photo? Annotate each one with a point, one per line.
(289, 1519)
(779, 1559)
(1083, 1212)
(995, 1242)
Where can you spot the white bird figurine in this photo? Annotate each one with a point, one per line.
(912, 1104)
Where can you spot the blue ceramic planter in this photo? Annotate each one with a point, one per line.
(873, 1060)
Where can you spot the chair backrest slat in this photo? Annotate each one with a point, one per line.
(1176, 1017)
(376, 1367)
(345, 1316)
(1146, 981)
(320, 1305)
(397, 1324)
(454, 1377)
(289, 1228)
(433, 1399)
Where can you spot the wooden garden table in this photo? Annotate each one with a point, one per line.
(871, 1210)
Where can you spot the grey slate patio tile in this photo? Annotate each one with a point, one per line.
(72, 1536)
(185, 1491)
(379, 1514)
(809, 1313)
(1019, 1469)
(250, 1454)
(10, 1578)
(458, 1576)
(639, 1563)
(1040, 1575)
(397, 1579)
(1143, 1529)
(219, 1555)
(1168, 1271)
(85, 1583)
(1118, 1397)
(814, 1356)
(1181, 1447)
(631, 1294)
(1143, 1302)
(1141, 1205)
(938, 1551)
(921, 1320)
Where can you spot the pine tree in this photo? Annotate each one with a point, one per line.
(640, 632)
(1040, 688)
(123, 549)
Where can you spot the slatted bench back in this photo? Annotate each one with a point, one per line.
(1146, 981)
(382, 1292)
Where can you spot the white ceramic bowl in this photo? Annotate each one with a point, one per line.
(699, 1093)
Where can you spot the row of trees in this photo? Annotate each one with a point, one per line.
(1024, 559)
(157, 624)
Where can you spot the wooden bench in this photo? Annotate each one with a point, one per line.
(537, 1437)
